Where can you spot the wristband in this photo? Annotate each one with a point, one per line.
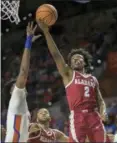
(28, 42)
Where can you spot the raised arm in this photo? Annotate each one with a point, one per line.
(63, 69)
(18, 114)
(24, 68)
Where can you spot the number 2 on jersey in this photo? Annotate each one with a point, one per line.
(86, 91)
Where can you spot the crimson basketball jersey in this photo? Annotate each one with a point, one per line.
(81, 92)
(42, 136)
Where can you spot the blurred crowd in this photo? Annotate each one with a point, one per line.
(44, 84)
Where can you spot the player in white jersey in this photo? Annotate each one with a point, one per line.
(18, 114)
(115, 138)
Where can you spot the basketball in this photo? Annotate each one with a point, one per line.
(47, 13)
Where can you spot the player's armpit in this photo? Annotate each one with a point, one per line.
(61, 137)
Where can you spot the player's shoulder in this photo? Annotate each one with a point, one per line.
(57, 132)
(94, 77)
(34, 127)
(34, 132)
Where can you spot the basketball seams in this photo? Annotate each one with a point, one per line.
(50, 14)
(53, 11)
(50, 18)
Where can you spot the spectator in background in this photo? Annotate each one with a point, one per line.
(53, 122)
(66, 128)
(113, 108)
(60, 123)
(110, 126)
(3, 133)
(66, 131)
(3, 117)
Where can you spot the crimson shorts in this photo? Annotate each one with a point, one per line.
(87, 124)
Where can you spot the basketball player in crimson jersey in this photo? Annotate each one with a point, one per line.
(82, 92)
(40, 132)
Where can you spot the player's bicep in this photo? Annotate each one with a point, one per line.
(100, 100)
(21, 79)
(99, 96)
(97, 89)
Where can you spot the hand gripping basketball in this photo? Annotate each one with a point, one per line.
(44, 27)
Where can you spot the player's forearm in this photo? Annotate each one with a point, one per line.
(52, 47)
(24, 68)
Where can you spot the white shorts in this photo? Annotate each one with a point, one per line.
(17, 117)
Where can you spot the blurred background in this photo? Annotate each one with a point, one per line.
(81, 23)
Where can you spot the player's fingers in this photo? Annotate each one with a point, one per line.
(28, 25)
(36, 37)
(31, 25)
(40, 22)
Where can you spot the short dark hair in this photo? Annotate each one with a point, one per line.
(6, 91)
(84, 53)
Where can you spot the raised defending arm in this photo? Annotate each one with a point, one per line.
(18, 114)
(63, 68)
(24, 68)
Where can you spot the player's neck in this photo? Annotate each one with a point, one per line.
(82, 71)
(44, 125)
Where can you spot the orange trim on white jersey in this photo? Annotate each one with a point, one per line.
(17, 125)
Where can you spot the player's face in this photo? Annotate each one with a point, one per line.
(77, 62)
(43, 115)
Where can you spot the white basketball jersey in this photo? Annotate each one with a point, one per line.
(17, 117)
(115, 138)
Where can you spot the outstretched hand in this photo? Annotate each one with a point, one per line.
(31, 31)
